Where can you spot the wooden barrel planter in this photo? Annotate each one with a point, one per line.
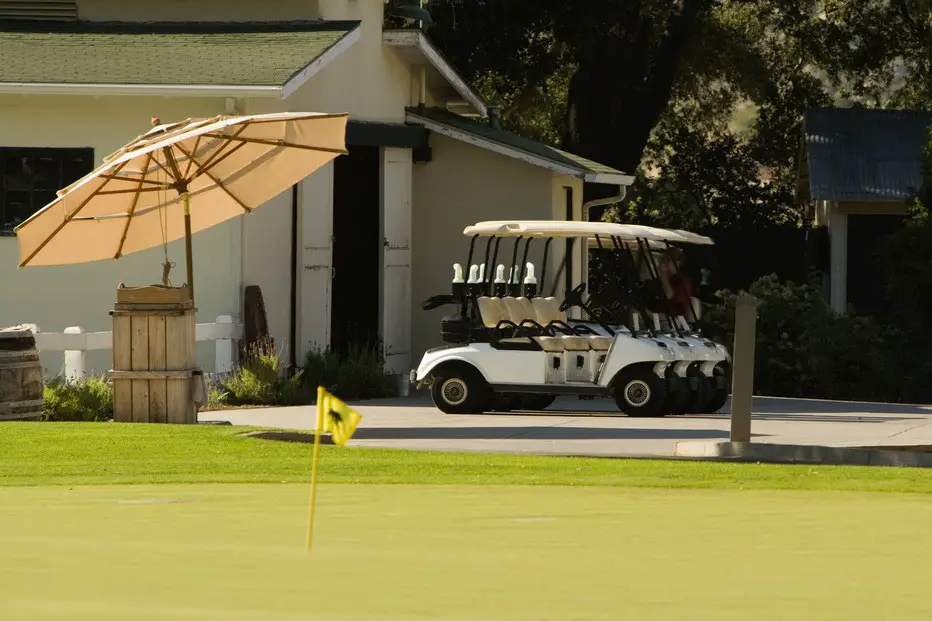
(21, 378)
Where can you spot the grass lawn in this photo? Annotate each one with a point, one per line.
(407, 535)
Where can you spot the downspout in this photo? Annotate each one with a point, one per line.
(599, 202)
(293, 336)
(422, 89)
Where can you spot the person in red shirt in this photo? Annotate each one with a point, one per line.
(677, 286)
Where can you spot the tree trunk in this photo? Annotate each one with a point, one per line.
(615, 98)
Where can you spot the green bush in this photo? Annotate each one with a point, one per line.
(261, 380)
(84, 401)
(804, 349)
(359, 374)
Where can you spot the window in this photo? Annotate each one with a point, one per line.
(57, 10)
(29, 179)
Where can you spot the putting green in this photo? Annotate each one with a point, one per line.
(235, 552)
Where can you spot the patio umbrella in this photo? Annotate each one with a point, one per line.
(178, 179)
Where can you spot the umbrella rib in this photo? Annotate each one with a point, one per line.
(217, 181)
(68, 219)
(132, 208)
(160, 188)
(208, 165)
(210, 161)
(281, 143)
(197, 143)
(170, 160)
(141, 180)
(167, 172)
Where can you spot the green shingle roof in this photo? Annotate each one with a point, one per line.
(507, 139)
(190, 53)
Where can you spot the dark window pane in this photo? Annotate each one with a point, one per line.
(47, 173)
(41, 199)
(30, 178)
(18, 172)
(74, 167)
(17, 206)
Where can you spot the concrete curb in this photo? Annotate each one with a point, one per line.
(803, 454)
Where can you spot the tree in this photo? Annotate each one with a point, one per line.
(602, 76)
(621, 56)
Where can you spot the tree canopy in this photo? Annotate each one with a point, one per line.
(702, 98)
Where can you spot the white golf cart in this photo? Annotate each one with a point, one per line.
(511, 348)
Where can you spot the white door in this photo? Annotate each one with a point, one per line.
(315, 260)
(396, 260)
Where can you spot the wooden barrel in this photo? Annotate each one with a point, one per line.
(21, 377)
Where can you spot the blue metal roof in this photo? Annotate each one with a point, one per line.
(859, 154)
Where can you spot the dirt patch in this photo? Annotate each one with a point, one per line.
(288, 436)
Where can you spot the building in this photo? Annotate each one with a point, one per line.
(858, 170)
(352, 249)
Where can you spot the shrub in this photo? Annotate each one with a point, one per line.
(261, 380)
(359, 374)
(84, 401)
(804, 349)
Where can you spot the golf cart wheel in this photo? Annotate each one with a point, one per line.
(719, 394)
(459, 389)
(537, 402)
(677, 395)
(640, 392)
(701, 395)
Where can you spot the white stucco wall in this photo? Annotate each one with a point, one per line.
(81, 295)
(463, 185)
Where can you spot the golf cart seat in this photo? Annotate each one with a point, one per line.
(548, 311)
(495, 316)
(521, 312)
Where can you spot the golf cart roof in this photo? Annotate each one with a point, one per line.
(557, 228)
(590, 230)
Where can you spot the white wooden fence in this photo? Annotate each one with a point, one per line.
(75, 343)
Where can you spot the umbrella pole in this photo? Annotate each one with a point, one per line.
(187, 243)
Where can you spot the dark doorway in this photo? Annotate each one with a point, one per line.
(866, 281)
(354, 317)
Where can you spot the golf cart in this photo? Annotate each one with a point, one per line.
(509, 347)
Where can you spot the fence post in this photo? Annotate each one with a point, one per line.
(742, 373)
(223, 348)
(75, 359)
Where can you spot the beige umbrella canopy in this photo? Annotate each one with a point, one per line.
(178, 179)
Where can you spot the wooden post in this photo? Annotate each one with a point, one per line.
(742, 374)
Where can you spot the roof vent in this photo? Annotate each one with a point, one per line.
(44, 10)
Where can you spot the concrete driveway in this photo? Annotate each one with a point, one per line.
(577, 427)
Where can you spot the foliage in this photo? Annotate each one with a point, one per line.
(261, 380)
(89, 400)
(702, 181)
(357, 374)
(804, 349)
(725, 79)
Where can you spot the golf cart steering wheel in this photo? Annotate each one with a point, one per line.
(574, 297)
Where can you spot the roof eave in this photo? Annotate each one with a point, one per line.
(323, 59)
(418, 40)
(145, 90)
(519, 154)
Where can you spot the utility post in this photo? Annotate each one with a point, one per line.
(742, 374)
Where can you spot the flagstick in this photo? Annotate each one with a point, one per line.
(320, 424)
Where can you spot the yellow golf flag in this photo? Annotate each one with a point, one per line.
(340, 420)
